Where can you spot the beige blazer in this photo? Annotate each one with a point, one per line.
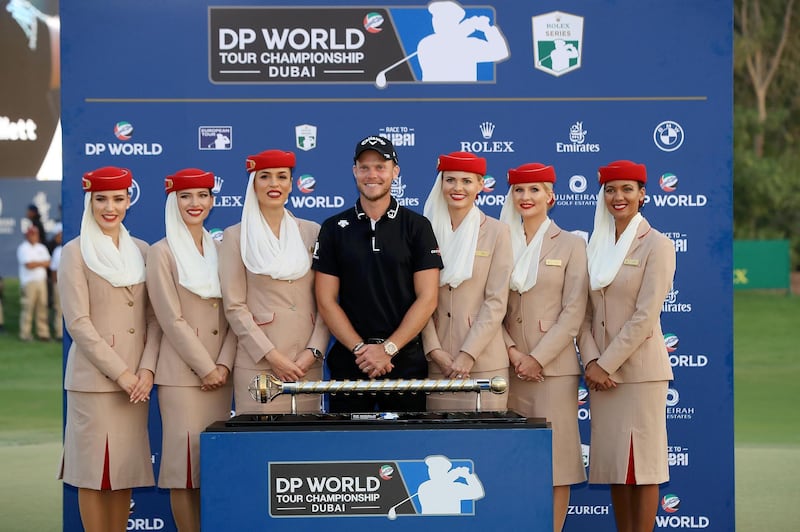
(622, 329)
(196, 334)
(469, 318)
(112, 328)
(545, 320)
(266, 313)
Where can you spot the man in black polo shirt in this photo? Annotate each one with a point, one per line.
(377, 278)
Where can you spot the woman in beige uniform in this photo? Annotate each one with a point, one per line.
(268, 287)
(627, 369)
(463, 338)
(112, 359)
(546, 306)
(197, 347)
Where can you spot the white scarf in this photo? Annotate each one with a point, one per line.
(457, 247)
(197, 273)
(285, 259)
(123, 266)
(526, 255)
(604, 254)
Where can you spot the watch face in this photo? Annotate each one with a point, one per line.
(390, 348)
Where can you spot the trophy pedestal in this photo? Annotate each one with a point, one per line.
(415, 471)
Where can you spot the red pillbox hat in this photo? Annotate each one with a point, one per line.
(271, 159)
(107, 178)
(188, 178)
(627, 170)
(532, 173)
(463, 161)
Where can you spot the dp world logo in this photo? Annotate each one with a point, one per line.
(670, 503)
(671, 342)
(668, 135)
(306, 183)
(668, 182)
(123, 130)
(489, 183)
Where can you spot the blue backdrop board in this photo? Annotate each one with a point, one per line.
(158, 86)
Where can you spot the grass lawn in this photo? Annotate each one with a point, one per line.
(766, 370)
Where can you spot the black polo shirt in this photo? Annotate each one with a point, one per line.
(376, 266)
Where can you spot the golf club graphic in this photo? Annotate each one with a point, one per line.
(380, 79)
(392, 515)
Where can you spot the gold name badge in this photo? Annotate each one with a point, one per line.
(552, 262)
(480, 253)
(631, 262)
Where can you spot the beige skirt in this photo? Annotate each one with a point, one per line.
(632, 414)
(101, 424)
(306, 403)
(556, 399)
(465, 401)
(186, 411)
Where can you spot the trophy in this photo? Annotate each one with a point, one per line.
(265, 387)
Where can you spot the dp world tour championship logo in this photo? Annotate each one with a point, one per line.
(436, 485)
(443, 42)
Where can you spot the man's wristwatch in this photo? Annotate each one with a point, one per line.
(390, 348)
(316, 352)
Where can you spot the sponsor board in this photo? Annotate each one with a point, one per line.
(557, 42)
(353, 45)
(673, 304)
(399, 192)
(676, 411)
(400, 136)
(436, 485)
(488, 144)
(678, 455)
(670, 504)
(668, 136)
(577, 141)
(215, 138)
(221, 200)
(123, 131)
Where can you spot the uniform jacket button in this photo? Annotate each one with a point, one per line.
(215, 332)
(131, 330)
(130, 303)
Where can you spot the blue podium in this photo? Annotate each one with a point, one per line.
(422, 471)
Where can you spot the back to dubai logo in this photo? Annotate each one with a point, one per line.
(557, 42)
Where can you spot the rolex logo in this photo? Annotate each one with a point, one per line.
(487, 129)
(217, 184)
